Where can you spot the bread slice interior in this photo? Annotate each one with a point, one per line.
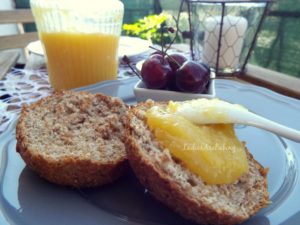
(171, 183)
(74, 138)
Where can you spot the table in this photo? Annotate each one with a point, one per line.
(25, 194)
(29, 84)
(24, 86)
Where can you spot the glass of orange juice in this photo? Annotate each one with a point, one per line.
(80, 39)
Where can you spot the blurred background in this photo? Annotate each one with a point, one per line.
(277, 47)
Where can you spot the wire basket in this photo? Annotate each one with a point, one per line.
(223, 33)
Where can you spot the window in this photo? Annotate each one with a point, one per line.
(278, 45)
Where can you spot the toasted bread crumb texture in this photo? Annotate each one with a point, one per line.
(74, 138)
(185, 192)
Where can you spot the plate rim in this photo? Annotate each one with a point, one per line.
(230, 84)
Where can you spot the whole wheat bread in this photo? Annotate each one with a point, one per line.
(74, 138)
(184, 192)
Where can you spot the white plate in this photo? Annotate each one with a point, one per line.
(25, 198)
(129, 46)
(142, 93)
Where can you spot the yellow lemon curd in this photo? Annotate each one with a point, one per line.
(213, 152)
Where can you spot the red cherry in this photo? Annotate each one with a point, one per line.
(192, 77)
(175, 60)
(156, 73)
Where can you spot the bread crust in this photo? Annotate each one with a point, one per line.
(71, 170)
(164, 189)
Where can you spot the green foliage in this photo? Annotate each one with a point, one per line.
(278, 44)
(148, 28)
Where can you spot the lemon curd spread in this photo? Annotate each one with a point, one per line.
(208, 111)
(213, 151)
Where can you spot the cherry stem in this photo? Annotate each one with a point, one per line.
(172, 42)
(162, 52)
(126, 60)
(165, 53)
(156, 49)
(161, 39)
(177, 26)
(174, 60)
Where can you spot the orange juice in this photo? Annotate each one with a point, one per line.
(78, 59)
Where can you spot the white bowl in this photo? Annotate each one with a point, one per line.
(142, 93)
